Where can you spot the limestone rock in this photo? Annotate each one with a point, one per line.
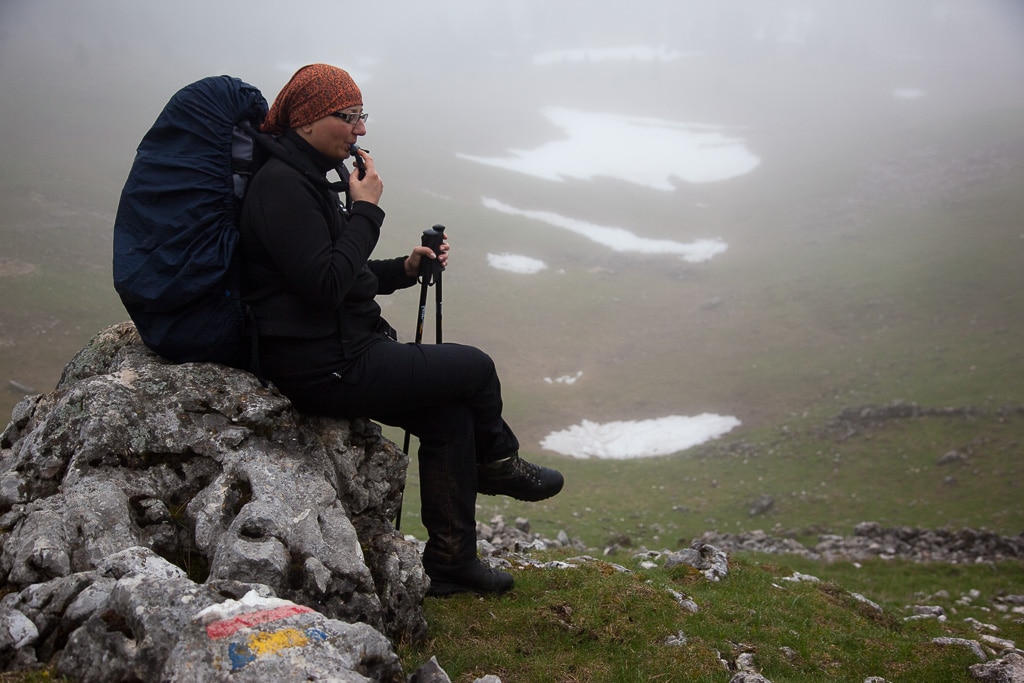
(179, 631)
(1008, 669)
(202, 466)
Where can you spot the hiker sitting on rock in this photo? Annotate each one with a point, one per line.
(321, 338)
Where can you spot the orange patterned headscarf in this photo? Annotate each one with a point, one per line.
(312, 93)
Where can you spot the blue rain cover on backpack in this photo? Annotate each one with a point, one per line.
(176, 226)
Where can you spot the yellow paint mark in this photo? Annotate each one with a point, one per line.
(264, 643)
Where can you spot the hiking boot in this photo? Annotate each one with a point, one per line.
(475, 577)
(519, 479)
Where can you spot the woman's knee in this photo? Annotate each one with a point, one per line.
(476, 361)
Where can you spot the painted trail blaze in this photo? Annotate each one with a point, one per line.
(228, 627)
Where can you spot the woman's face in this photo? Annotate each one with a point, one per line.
(333, 135)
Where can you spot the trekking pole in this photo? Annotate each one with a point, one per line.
(430, 273)
(438, 304)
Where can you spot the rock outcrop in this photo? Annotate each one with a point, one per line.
(235, 497)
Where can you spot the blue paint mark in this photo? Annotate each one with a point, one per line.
(315, 634)
(240, 655)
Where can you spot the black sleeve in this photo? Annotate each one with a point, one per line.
(391, 275)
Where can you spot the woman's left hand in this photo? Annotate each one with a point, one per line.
(412, 262)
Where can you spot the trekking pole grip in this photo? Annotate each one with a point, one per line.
(433, 238)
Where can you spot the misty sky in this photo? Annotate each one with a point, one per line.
(537, 108)
(464, 60)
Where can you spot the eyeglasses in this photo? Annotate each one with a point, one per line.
(351, 118)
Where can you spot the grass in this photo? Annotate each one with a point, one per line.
(598, 624)
(595, 624)
(888, 473)
(40, 675)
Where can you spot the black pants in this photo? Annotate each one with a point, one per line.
(449, 397)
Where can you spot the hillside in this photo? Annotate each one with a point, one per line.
(790, 620)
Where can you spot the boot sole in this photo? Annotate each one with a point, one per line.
(524, 497)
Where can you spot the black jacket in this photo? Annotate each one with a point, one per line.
(306, 271)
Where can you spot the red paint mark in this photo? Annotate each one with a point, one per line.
(228, 627)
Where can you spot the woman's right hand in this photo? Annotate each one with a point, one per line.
(370, 187)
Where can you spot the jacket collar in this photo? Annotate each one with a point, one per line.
(321, 161)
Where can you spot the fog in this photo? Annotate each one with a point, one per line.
(669, 218)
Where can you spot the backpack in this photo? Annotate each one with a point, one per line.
(176, 228)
